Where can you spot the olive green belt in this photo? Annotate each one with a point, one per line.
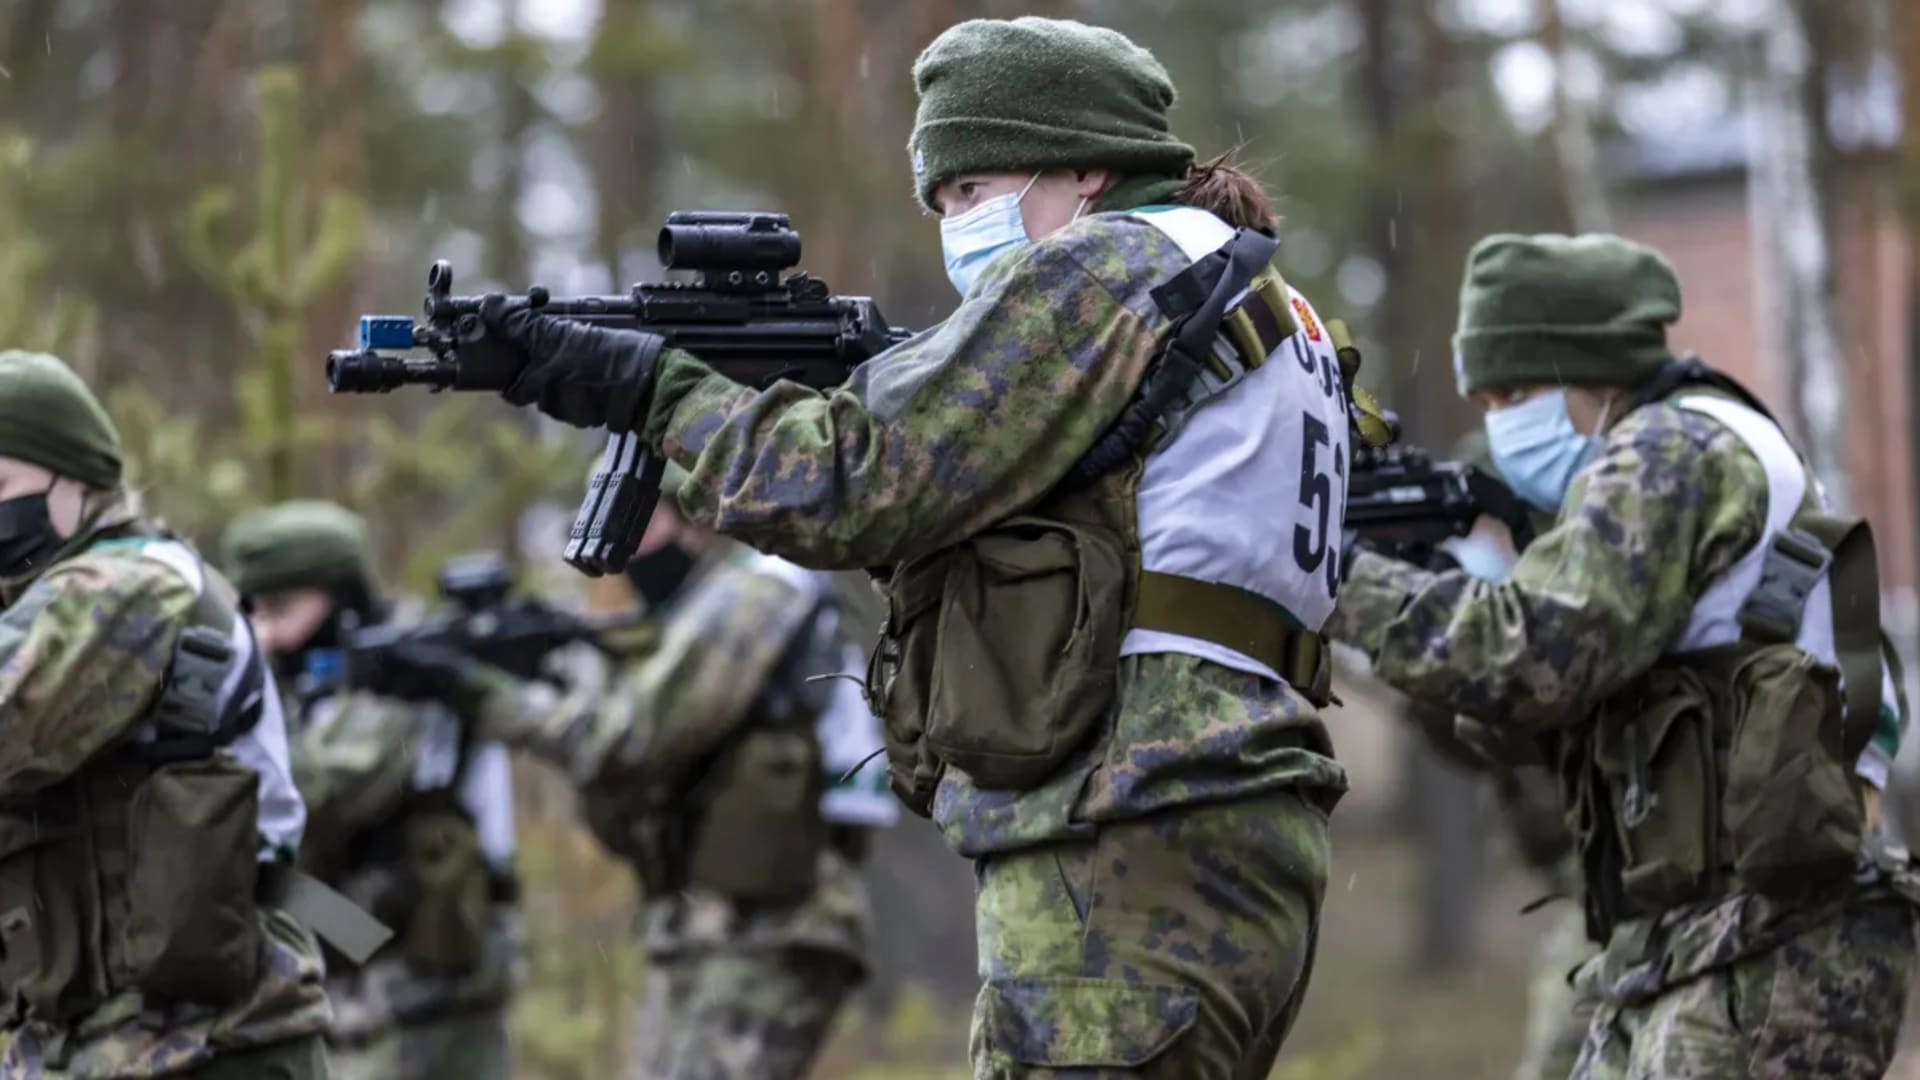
(1237, 619)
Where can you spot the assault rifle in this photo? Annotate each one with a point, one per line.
(487, 621)
(1404, 504)
(738, 315)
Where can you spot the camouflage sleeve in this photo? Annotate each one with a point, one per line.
(940, 436)
(720, 644)
(82, 654)
(353, 760)
(1672, 500)
(550, 721)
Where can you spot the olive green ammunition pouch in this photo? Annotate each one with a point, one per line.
(1000, 654)
(446, 923)
(192, 928)
(741, 817)
(142, 870)
(756, 834)
(746, 824)
(1731, 768)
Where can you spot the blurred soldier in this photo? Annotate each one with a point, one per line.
(717, 766)
(1716, 635)
(411, 813)
(1107, 494)
(1529, 800)
(145, 799)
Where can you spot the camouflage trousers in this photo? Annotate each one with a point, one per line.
(1174, 945)
(467, 1045)
(739, 1014)
(1826, 1003)
(1557, 1016)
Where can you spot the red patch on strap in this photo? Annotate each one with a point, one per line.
(1307, 321)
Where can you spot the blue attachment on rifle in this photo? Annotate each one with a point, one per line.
(386, 331)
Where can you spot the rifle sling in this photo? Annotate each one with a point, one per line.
(1198, 301)
(1237, 619)
(342, 923)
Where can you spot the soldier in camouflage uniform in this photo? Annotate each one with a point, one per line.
(1529, 800)
(1709, 776)
(145, 798)
(717, 769)
(384, 780)
(1101, 674)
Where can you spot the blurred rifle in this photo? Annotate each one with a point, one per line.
(1405, 504)
(738, 315)
(488, 622)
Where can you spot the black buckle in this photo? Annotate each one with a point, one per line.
(1794, 565)
(190, 704)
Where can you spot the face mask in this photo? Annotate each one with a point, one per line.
(1537, 449)
(969, 242)
(27, 536)
(659, 575)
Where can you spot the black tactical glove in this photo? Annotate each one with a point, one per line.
(421, 671)
(585, 375)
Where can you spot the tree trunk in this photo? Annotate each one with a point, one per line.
(1795, 285)
(1903, 798)
(1443, 818)
(25, 41)
(338, 163)
(505, 241)
(1419, 235)
(1575, 160)
(629, 144)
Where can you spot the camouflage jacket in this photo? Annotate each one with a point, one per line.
(357, 757)
(85, 649)
(722, 640)
(954, 430)
(1672, 499)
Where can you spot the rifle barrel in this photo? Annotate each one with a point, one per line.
(368, 372)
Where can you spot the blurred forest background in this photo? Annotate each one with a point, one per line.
(197, 198)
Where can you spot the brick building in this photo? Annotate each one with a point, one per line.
(1688, 197)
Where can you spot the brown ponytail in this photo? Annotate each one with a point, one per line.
(1220, 187)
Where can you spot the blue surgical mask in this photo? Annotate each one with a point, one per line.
(1537, 449)
(969, 242)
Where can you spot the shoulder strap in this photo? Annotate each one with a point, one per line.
(1855, 588)
(1841, 550)
(205, 703)
(1814, 545)
(1196, 300)
(1690, 371)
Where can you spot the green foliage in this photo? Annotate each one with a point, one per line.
(29, 318)
(292, 257)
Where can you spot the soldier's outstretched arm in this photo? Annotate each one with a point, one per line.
(82, 654)
(1672, 500)
(949, 431)
(550, 721)
(714, 657)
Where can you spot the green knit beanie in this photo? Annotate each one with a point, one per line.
(1572, 310)
(305, 544)
(49, 418)
(1034, 93)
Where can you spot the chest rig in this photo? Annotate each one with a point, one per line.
(999, 655)
(1728, 766)
(140, 871)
